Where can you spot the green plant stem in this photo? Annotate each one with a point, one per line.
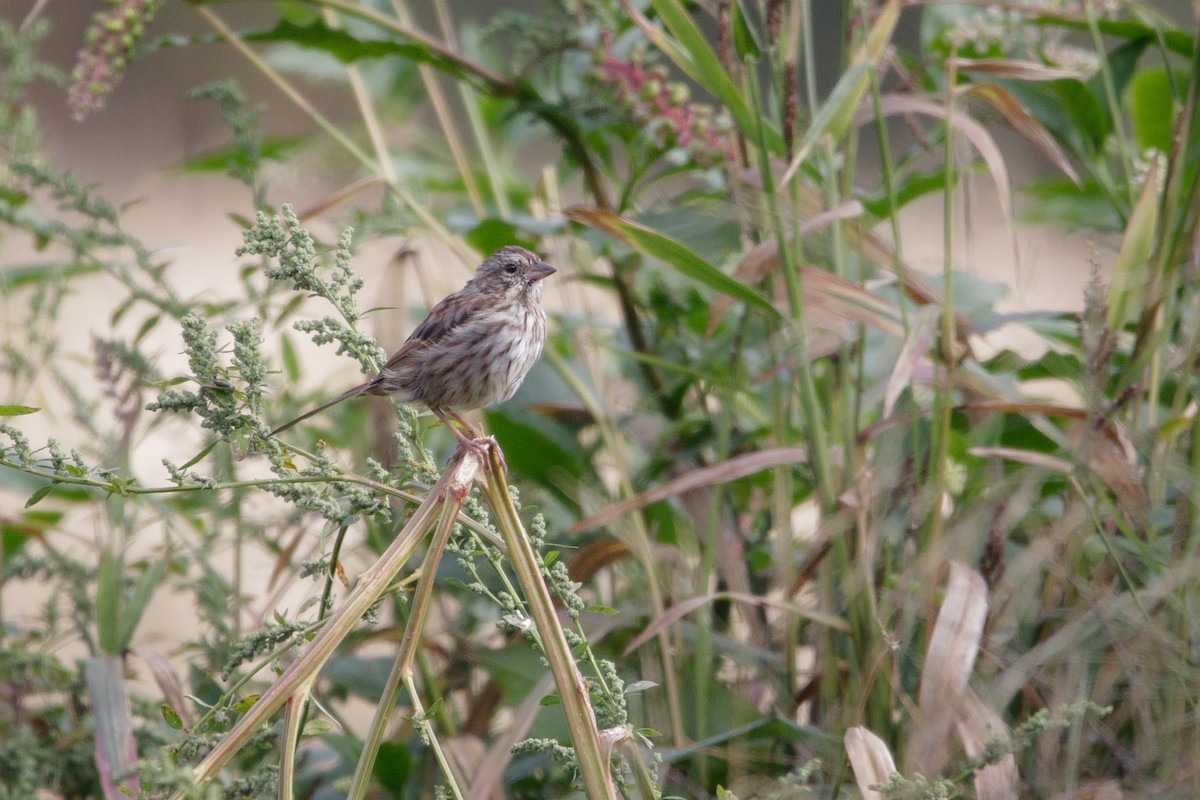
(814, 419)
(590, 752)
(422, 724)
(1114, 103)
(441, 110)
(483, 139)
(332, 130)
(367, 108)
(419, 209)
(944, 402)
(401, 674)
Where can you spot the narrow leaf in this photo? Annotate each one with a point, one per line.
(173, 719)
(953, 648)
(37, 496)
(916, 345)
(115, 748)
(131, 615)
(835, 117)
(672, 252)
(691, 52)
(17, 411)
(108, 603)
(870, 759)
(723, 472)
(1132, 270)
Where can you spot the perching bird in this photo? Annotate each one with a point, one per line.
(475, 347)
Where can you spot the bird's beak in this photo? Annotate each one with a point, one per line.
(541, 270)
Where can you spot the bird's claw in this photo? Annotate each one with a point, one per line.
(480, 445)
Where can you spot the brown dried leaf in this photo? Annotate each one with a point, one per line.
(976, 134)
(734, 468)
(870, 759)
(1030, 457)
(953, 648)
(976, 725)
(169, 684)
(916, 345)
(1027, 125)
(1014, 68)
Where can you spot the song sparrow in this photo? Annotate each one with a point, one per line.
(474, 348)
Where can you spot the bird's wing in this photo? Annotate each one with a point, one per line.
(447, 316)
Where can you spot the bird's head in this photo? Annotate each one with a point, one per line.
(512, 271)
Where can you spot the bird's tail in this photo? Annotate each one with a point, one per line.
(362, 388)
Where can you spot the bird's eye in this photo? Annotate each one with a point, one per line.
(511, 269)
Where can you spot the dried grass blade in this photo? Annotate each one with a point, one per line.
(870, 759)
(976, 725)
(953, 648)
(1028, 126)
(734, 468)
(916, 345)
(169, 683)
(975, 133)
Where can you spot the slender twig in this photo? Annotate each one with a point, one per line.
(401, 672)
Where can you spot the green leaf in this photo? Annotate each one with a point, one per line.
(348, 48)
(1152, 107)
(491, 234)
(745, 38)
(132, 613)
(148, 325)
(37, 496)
(219, 161)
(246, 703)
(291, 361)
(17, 411)
(317, 726)
(18, 275)
(173, 719)
(393, 766)
(598, 609)
(637, 687)
(674, 253)
(108, 603)
(692, 53)
(908, 188)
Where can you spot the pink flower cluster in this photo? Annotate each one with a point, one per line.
(662, 105)
(110, 39)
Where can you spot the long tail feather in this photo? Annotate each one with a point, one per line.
(362, 388)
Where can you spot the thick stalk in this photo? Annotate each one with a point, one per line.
(591, 754)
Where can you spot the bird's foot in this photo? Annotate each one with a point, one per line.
(479, 445)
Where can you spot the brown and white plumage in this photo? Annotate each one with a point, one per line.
(475, 347)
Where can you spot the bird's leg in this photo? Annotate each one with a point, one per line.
(476, 433)
(475, 441)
